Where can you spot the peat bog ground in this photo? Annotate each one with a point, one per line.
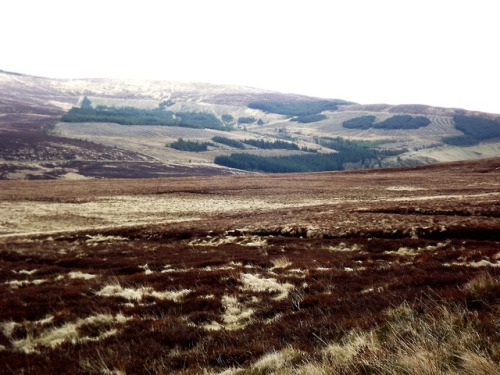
(369, 272)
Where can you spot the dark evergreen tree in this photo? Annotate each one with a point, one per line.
(86, 103)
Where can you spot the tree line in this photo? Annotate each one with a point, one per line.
(297, 108)
(137, 116)
(282, 164)
(394, 122)
(347, 152)
(475, 129)
(353, 151)
(268, 145)
(259, 143)
(192, 146)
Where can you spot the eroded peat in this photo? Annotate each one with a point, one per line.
(388, 272)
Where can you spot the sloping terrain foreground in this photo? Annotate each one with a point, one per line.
(374, 272)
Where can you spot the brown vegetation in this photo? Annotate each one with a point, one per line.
(386, 272)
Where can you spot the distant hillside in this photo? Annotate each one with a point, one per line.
(80, 128)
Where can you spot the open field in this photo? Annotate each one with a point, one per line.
(371, 272)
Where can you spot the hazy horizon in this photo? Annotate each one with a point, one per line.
(435, 53)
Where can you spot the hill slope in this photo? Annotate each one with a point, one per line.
(36, 144)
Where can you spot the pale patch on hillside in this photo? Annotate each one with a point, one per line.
(120, 103)
(157, 90)
(150, 140)
(153, 140)
(451, 153)
(74, 176)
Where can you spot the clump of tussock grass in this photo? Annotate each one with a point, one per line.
(345, 247)
(441, 340)
(139, 294)
(256, 283)
(236, 315)
(428, 343)
(281, 262)
(482, 284)
(81, 275)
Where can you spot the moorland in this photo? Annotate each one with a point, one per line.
(382, 271)
(139, 234)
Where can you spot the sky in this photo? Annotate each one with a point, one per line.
(437, 52)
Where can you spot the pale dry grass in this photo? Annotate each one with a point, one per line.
(15, 284)
(106, 212)
(436, 343)
(257, 283)
(343, 247)
(236, 315)
(81, 275)
(43, 334)
(276, 360)
(281, 262)
(474, 364)
(482, 283)
(251, 241)
(138, 294)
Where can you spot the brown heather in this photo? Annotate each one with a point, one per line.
(332, 273)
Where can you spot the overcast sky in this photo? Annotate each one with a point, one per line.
(437, 52)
